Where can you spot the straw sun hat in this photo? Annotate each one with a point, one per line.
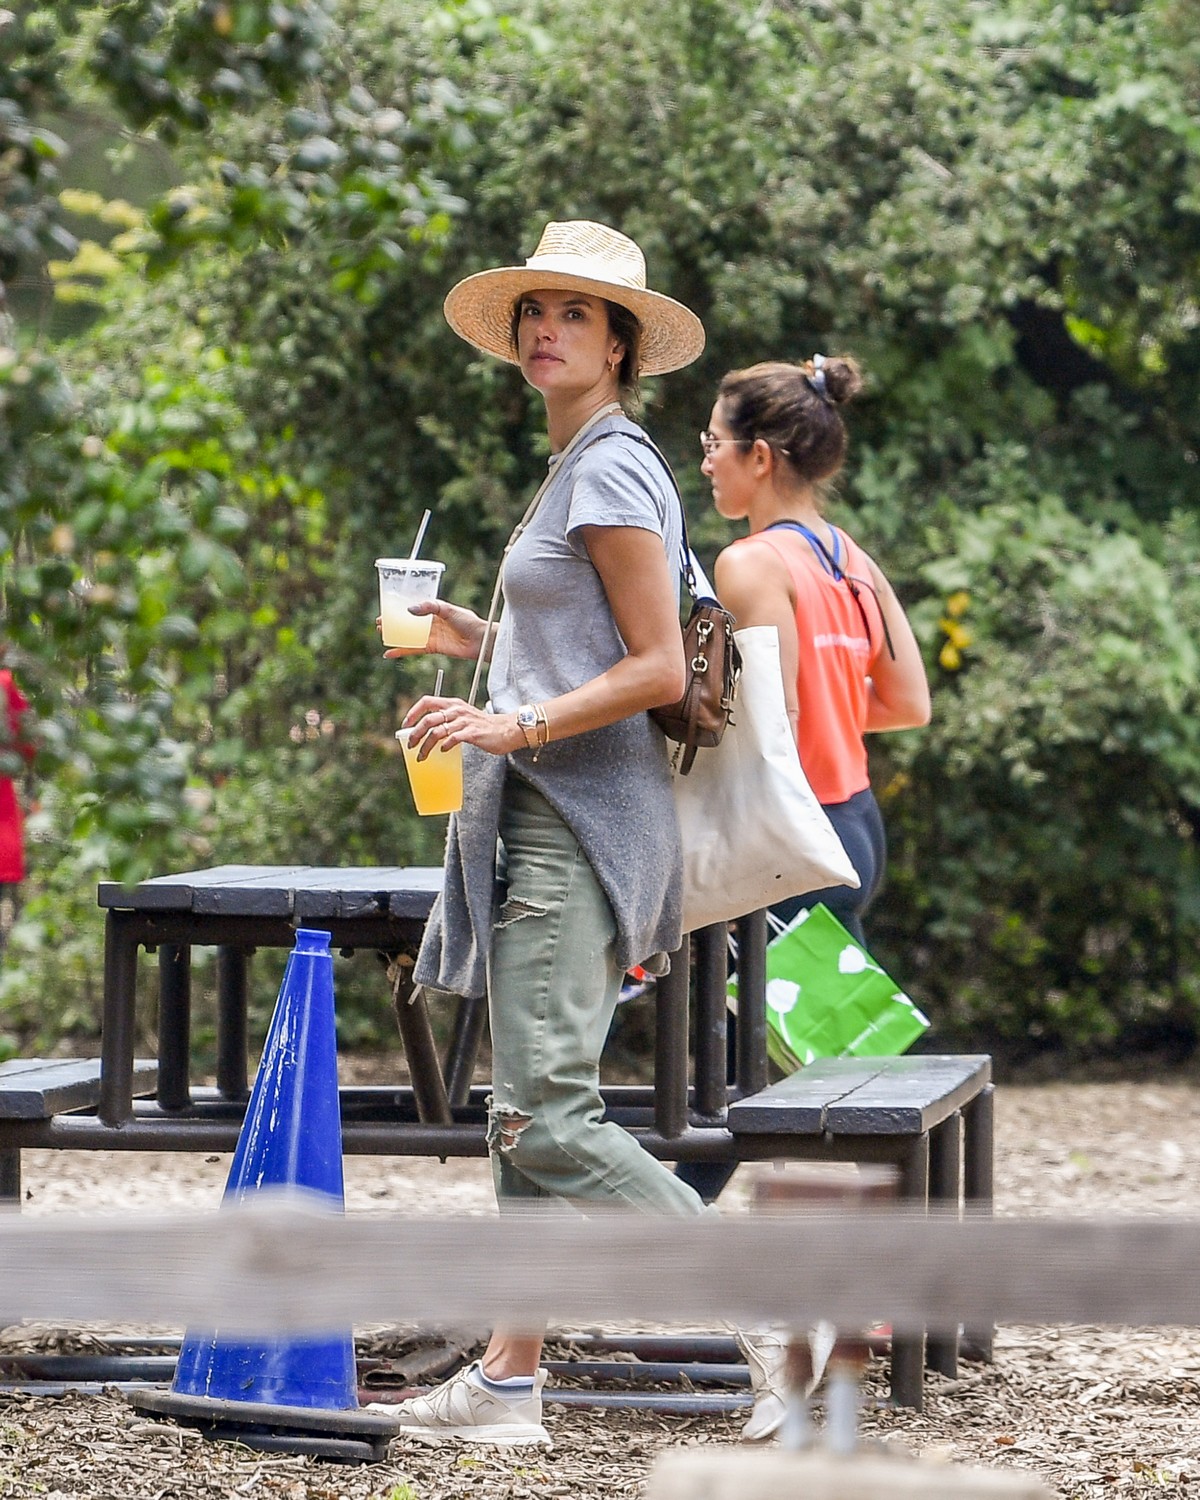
(577, 256)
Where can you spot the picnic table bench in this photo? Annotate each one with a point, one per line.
(929, 1116)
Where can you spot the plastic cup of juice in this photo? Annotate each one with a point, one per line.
(436, 781)
(404, 581)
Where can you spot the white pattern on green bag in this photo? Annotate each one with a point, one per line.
(852, 960)
(782, 995)
(827, 997)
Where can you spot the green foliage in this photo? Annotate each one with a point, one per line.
(171, 66)
(1044, 888)
(995, 208)
(140, 511)
(31, 82)
(120, 548)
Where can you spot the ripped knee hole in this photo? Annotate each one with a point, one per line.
(508, 1126)
(516, 910)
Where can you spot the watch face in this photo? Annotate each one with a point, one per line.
(526, 718)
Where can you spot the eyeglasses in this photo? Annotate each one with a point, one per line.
(710, 442)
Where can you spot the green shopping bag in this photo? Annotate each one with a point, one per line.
(827, 997)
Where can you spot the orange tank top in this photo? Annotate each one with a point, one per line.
(837, 648)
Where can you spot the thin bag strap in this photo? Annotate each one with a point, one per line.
(817, 544)
(687, 559)
(518, 531)
(840, 575)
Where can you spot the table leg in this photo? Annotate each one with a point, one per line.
(425, 1070)
(751, 1042)
(10, 1177)
(712, 1060)
(174, 1025)
(908, 1346)
(671, 1045)
(470, 1022)
(118, 1027)
(232, 968)
(945, 1187)
(978, 1168)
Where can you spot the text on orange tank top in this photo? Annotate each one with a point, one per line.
(838, 639)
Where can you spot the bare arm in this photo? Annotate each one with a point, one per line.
(754, 586)
(898, 690)
(642, 595)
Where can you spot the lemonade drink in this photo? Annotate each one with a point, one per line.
(436, 781)
(401, 628)
(404, 581)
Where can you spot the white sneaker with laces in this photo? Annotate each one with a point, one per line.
(766, 1354)
(462, 1408)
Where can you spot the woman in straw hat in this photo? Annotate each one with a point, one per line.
(566, 766)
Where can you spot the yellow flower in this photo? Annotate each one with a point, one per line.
(949, 657)
(957, 603)
(958, 635)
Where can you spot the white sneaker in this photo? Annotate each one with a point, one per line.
(460, 1408)
(766, 1354)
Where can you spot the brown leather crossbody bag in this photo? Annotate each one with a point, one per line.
(714, 663)
(698, 719)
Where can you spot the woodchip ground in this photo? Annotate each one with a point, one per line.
(1092, 1411)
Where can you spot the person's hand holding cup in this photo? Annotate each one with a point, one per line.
(435, 776)
(436, 781)
(405, 581)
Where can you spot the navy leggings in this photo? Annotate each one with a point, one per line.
(859, 825)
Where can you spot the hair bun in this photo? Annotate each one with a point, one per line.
(843, 380)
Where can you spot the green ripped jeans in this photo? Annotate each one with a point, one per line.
(553, 987)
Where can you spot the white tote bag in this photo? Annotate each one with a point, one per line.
(753, 832)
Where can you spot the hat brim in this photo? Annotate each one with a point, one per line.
(480, 308)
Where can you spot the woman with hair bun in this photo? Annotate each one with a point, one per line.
(851, 664)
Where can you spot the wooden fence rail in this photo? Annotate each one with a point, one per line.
(277, 1264)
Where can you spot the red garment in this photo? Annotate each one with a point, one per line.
(12, 843)
(836, 655)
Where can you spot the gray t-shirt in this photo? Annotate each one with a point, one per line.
(557, 630)
(612, 786)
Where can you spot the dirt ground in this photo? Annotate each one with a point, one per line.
(1091, 1411)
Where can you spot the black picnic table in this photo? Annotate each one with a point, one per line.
(240, 908)
(931, 1117)
(237, 909)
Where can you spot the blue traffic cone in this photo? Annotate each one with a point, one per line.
(283, 1393)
